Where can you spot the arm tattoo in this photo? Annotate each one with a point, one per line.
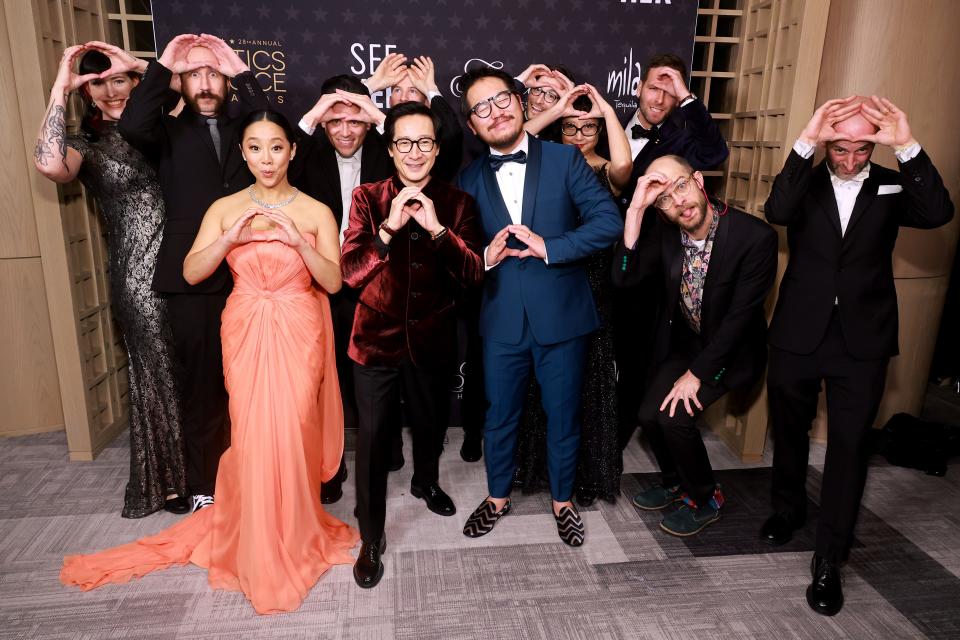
(53, 133)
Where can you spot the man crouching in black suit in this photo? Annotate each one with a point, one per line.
(836, 316)
(716, 270)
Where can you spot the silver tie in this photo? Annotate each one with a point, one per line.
(215, 134)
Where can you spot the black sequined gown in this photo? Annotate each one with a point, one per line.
(600, 462)
(128, 197)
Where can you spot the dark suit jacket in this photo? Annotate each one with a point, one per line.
(450, 138)
(408, 288)
(190, 176)
(856, 267)
(688, 132)
(317, 174)
(565, 204)
(743, 266)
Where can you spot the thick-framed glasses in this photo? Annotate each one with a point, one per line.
(549, 96)
(405, 145)
(667, 200)
(588, 130)
(483, 109)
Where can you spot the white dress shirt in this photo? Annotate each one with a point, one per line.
(349, 169)
(510, 179)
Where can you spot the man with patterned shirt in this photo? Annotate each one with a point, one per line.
(710, 336)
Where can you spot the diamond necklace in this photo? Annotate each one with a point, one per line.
(267, 205)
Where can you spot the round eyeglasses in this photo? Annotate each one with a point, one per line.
(588, 130)
(483, 109)
(549, 96)
(405, 145)
(667, 200)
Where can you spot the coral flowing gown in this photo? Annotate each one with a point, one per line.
(267, 535)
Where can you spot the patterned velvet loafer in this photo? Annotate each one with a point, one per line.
(569, 526)
(483, 519)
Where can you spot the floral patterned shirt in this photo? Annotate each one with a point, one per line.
(696, 261)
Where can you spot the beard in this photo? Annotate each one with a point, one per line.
(192, 101)
(857, 168)
(503, 137)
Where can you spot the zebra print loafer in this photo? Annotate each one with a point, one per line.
(483, 519)
(569, 526)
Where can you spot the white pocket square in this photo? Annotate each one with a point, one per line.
(889, 188)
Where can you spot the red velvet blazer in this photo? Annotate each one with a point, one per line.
(408, 288)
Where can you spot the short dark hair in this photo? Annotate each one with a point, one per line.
(468, 79)
(405, 109)
(94, 61)
(344, 82)
(666, 60)
(269, 115)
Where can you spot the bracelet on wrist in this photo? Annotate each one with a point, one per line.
(386, 229)
(438, 234)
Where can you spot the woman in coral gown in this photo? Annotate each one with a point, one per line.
(267, 535)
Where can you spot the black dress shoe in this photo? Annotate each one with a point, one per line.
(778, 530)
(437, 501)
(825, 594)
(472, 448)
(178, 505)
(368, 569)
(332, 490)
(569, 526)
(483, 518)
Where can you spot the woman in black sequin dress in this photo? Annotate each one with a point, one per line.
(600, 463)
(129, 200)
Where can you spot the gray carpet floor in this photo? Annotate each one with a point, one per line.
(630, 580)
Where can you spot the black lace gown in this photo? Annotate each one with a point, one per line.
(600, 462)
(129, 199)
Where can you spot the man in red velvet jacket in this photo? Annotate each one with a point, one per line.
(411, 245)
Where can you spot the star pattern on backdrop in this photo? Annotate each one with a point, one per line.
(312, 39)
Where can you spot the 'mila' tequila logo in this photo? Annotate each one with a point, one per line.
(622, 82)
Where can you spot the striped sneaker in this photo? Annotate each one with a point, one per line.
(483, 519)
(201, 502)
(569, 526)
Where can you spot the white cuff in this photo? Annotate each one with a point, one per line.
(306, 128)
(803, 149)
(432, 95)
(908, 153)
(688, 100)
(487, 267)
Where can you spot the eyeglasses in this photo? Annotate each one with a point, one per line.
(483, 109)
(549, 96)
(405, 145)
(666, 200)
(589, 130)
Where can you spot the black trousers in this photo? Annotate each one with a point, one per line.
(195, 322)
(676, 442)
(854, 389)
(378, 392)
(634, 325)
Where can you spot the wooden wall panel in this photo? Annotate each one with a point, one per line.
(29, 390)
(19, 236)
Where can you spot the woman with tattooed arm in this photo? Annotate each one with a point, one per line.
(128, 197)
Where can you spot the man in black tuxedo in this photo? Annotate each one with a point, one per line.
(714, 273)
(198, 161)
(669, 120)
(417, 82)
(836, 316)
(341, 150)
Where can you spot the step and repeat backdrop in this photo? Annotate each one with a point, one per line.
(293, 45)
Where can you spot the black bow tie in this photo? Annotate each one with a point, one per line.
(498, 161)
(636, 132)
